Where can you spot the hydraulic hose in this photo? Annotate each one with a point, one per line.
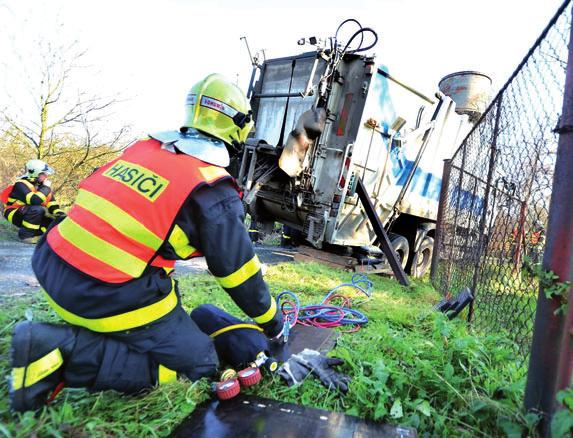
(326, 314)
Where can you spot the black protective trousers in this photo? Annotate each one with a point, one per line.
(129, 361)
(30, 219)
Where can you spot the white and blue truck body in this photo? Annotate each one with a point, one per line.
(378, 129)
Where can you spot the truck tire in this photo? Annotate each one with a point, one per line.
(422, 259)
(401, 246)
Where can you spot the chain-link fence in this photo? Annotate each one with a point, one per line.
(496, 193)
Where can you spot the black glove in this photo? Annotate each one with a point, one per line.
(317, 363)
(293, 371)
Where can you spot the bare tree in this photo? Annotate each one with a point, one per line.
(63, 123)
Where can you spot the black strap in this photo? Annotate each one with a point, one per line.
(282, 136)
(563, 129)
(241, 119)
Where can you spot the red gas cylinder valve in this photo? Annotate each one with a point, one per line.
(249, 377)
(227, 389)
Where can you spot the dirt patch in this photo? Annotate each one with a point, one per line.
(269, 255)
(16, 275)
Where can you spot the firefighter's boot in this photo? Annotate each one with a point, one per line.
(31, 240)
(38, 354)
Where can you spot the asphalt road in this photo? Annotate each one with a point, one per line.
(17, 277)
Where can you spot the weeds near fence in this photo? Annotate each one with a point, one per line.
(562, 423)
(497, 190)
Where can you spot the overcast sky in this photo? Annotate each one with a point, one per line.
(153, 51)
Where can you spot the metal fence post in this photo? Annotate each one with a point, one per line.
(456, 215)
(440, 219)
(551, 361)
(481, 232)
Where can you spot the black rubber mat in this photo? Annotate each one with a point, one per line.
(254, 417)
(302, 337)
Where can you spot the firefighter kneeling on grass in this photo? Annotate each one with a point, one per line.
(107, 267)
(29, 203)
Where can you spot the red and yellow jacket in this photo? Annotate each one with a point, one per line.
(23, 192)
(132, 219)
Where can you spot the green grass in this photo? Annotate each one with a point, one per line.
(505, 300)
(409, 366)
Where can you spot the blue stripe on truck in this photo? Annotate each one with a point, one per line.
(423, 183)
(428, 186)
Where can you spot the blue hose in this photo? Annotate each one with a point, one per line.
(324, 314)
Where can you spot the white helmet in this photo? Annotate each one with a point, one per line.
(34, 168)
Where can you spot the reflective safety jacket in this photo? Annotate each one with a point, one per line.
(23, 192)
(107, 271)
(125, 211)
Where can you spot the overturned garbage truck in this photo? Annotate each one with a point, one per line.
(331, 116)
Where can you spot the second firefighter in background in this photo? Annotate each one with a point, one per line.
(29, 203)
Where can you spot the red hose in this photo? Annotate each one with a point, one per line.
(335, 312)
(327, 314)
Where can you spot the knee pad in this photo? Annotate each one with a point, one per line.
(35, 210)
(237, 342)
